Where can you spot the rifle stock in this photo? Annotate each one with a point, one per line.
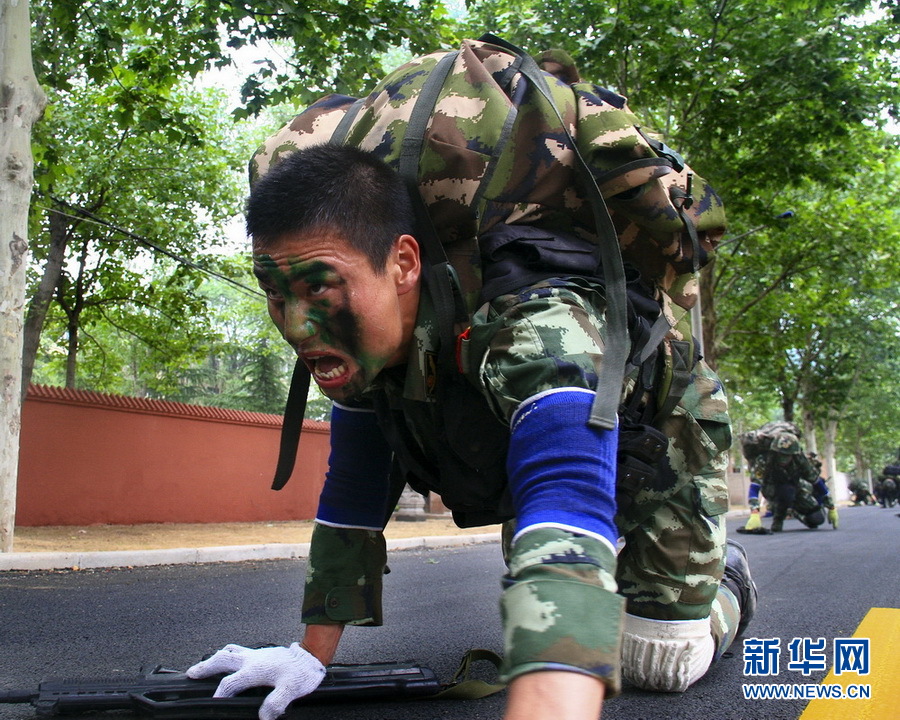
(171, 695)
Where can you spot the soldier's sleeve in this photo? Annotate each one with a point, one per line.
(820, 489)
(560, 608)
(753, 495)
(758, 469)
(344, 577)
(808, 471)
(347, 554)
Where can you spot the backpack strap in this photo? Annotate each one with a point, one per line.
(441, 279)
(463, 687)
(682, 362)
(343, 128)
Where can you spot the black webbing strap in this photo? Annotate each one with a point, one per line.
(657, 334)
(294, 410)
(682, 201)
(414, 135)
(682, 369)
(611, 373)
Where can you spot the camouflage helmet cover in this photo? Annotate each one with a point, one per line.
(786, 444)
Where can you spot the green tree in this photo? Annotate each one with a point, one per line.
(170, 193)
(763, 98)
(782, 106)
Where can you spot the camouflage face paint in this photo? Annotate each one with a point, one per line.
(339, 314)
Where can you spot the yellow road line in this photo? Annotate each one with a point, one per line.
(882, 627)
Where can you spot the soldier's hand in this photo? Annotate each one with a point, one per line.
(290, 671)
(833, 517)
(754, 522)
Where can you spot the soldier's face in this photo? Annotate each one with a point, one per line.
(346, 321)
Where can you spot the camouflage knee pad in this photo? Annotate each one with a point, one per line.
(560, 608)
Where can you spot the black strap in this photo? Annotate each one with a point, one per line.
(682, 369)
(464, 687)
(650, 344)
(682, 201)
(414, 135)
(294, 410)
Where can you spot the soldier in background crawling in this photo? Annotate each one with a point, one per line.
(789, 480)
(501, 432)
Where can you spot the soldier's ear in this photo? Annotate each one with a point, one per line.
(406, 264)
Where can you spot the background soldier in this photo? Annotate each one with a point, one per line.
(887, 484)
(788, 480)
(860, 493)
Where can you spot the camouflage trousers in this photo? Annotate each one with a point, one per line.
(671, 563)
(673, 556)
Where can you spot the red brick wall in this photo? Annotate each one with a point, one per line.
(89, 458)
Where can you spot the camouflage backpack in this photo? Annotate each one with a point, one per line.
(522, 171)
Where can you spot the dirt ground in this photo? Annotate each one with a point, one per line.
(159, 536)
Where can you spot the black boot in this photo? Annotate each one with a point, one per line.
(737, 579)
(778, 525)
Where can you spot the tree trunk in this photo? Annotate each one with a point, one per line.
(862, 467)
(21, 104)
(60, 232)
(809, 432)
(72, 353)
(829, 466)
(787, 407)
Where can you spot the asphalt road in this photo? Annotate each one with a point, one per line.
(438, 604)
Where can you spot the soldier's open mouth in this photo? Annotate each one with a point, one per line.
(328, 368)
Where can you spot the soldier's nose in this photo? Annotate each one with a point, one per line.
(297, 324)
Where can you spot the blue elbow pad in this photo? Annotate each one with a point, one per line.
(357, 483)
(561, 471)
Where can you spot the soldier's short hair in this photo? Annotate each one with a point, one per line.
(333, 188)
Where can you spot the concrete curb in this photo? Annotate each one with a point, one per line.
(231, 553)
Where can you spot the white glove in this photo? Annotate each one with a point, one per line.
(291, 671)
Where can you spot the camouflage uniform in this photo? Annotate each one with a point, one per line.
(859, 489)
(565, 592)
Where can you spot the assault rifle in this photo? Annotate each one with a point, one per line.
(170, 694)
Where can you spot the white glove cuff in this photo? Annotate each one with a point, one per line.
(314, 670)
